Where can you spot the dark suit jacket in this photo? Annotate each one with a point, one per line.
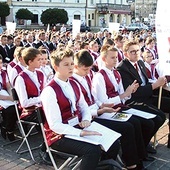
(5, 54)
(129, 74)
(12, 51)
(52, 47)
(40, 43)
(28, 45)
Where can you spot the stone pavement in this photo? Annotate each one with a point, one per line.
(9, 159)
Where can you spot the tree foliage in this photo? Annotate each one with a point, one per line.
(4, 9)
(24, 14)
(54, 16)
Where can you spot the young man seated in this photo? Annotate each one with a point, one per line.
(133, 149)
(67, 113)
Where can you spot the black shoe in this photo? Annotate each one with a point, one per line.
(140, 166)
(168, 145)
(11, 136)
(3, 132)
(149, 158)
(46, 158)
(150, 149)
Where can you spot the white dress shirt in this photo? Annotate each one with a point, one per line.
(99, 87)
(140, 73)
(153, 79)
(93, 108)
(48, 72)
(53, 113)
(22, 93)
(4, 103)
(9, 68)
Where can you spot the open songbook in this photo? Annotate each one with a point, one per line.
(140, 113)
(117, 116)
(105, 141)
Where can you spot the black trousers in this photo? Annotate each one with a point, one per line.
(132, 144)
(90, 153)
(149, 126)
(9, 118)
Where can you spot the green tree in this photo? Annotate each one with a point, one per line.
(54, 16)
(4, 9)
(24, 14)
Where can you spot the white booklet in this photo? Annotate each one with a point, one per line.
(140, 113)
(5, 103)
(119, 116)
(105, 141)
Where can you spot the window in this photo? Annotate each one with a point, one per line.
(88, 16)
(77, 17)
(92, 2)
(92, 16)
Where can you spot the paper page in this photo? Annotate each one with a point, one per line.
(140, 113)
(106, 140)
(121, 117)
(5, 103)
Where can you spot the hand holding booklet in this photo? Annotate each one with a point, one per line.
(105, 141)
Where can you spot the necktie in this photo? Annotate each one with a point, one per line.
(5, 50)
(136, 67)
(152, 69)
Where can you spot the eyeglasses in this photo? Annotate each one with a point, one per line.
(134, 52)
(149, 56)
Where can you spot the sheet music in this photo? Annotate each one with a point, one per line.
(106, 140)
(140, 113)
(121, 117)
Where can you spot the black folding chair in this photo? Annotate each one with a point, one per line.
(20, 123)
(72, 162)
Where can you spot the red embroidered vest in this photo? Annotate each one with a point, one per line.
(4, 75)
(12, 64)
(85, 94)
(18, 68)
(32, 90)
(65, 109)
(110, 89)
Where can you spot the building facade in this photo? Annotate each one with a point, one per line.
(93, 13)
(143, 8)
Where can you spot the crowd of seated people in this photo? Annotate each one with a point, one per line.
(75, 80)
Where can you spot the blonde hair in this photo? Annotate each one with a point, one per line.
(57, 56)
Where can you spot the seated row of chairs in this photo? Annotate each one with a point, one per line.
(71, 161)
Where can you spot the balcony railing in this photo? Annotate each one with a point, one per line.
(108, 6)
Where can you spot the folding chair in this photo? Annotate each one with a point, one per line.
(72, 161)
(21, 129)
